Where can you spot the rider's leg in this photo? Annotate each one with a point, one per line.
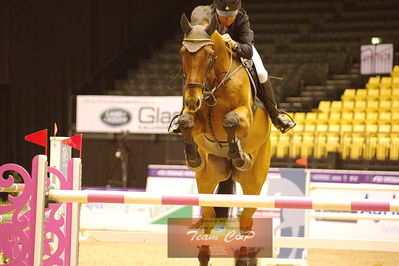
(266, 95)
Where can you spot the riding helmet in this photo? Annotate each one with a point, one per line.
(227, 5)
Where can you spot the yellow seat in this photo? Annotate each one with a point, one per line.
(334, 128)
(321, 128)
(373, 94)
(359, 117)
(373, 83)
(347, 117)
(371, 128)
(274, 142)
(371, 147)
(395, 129)
(384, 130)
(395, 83)
(372, 106)
(335, 117)
(345, 145)
(336, 106)
(385, 94)
(384, 117)
(324, 106)
(394, 147)
(360, 106)
(299, 128)
(386, 83)
(311, 118)
(310, 128)
(320, 149)
(299, 118)
(283, 146)
(322, 117)
(357, 146)
(307, 145)
(371, 118)
(361, 94)
(348, 105)
(395, 71)
(332, 142)
(346, 128)
(385, 105)
(383, 147)
(295, 147)
(349, 95)
(359, 128)
(395, 94)
(395, 106)
(395, 118)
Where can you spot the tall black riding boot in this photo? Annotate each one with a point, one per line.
(266, 95)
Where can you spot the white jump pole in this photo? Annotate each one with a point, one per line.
(212, 200)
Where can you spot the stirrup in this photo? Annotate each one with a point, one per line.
(281, 128)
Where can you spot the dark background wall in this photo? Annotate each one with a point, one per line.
(53, 50)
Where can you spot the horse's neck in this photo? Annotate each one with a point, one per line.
(223, 54)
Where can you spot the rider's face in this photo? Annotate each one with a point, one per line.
(226, 21)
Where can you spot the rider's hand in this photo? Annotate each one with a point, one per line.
(226, 38)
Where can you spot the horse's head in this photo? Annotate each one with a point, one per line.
(197, 59)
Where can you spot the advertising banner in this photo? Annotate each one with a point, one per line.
(134, 114)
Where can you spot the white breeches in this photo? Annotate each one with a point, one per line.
(260, 68)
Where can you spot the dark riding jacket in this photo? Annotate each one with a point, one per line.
(240, 31)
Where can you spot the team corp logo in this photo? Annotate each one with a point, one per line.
(116, 117)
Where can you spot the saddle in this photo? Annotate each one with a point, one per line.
(249, 66)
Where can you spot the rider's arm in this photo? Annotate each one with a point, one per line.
(244, 38)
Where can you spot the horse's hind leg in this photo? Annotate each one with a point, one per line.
(193, 159)
(241, 161)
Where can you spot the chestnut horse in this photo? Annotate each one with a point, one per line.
(226, 138)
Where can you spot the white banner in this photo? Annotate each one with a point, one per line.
(376, 59)
(135, 114)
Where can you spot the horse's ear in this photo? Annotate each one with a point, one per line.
(185, 24)
(212, 26)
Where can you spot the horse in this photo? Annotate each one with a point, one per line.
(226, 139)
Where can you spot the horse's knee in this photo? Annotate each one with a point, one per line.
(186, 121)
(231, 120)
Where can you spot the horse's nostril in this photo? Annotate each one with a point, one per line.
(198, 103)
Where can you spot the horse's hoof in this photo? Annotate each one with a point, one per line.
(244, 163)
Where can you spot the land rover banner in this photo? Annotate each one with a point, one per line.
(135, 114)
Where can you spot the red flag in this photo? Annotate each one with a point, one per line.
(302, 161)
(74, 142)
(39, 138)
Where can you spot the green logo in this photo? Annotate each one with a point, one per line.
(116, 117)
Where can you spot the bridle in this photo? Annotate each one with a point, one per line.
(204, 84)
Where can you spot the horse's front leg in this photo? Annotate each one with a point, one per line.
(193, 158)
(236, 123)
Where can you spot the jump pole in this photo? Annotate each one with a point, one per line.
(211, 200)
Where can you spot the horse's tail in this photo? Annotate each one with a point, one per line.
(225, 187)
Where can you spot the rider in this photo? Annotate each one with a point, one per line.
(235, 28)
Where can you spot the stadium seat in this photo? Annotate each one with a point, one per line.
(310, 128)
(347, 117)
(359, 117)
(283, 146)
(385, 105)
(395, 83)
(346, 128)
(373, 83)
(361, 94)
(357, 146)
(395, 72)
(372, 106)
(360, 106)
(348, 105)
(300, 118)
(311, 118)
(373, 94)
(336, 106)
(371, 117)
(395, 106)
(324, 106)
(349, 95)
(322, 117)
(335, 117)
(371, 128)
(383, 147)
(395, 94)
(385, 94)
(386, 83)
(394, 147)
(295, 147)
(395, 118)
(384, 117)
(307, 145)
(320, 149)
